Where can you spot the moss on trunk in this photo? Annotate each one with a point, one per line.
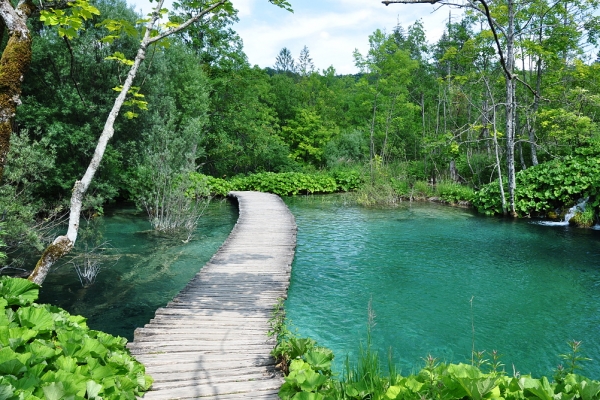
(13, 65)
(61, 246)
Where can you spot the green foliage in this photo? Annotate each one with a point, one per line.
(309, 377)
(282, 184)
(549, 186)
(347, 148)
(287, 183)
(46, 353)
(394, 183)
(454, 193)
(307, 137)
(585, 218)
(27, 219)
(70, 20)
(162, 181)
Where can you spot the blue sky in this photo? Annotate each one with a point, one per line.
(331, 29)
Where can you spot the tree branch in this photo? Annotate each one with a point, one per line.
(387, 3)
(187, 23)
(71, 70)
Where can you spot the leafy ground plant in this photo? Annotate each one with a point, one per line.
(309, 377)
(46, 353)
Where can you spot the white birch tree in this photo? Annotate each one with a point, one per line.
(153, 32)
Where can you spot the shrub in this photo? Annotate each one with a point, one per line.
(310, 377)
(282, 184)
(549, 186)
(585, 218)
(454, 193)
(46, 353)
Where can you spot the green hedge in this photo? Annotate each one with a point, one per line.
(549, 186)
(46, 353)
(282, 184)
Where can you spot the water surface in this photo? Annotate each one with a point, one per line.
(432, 273)
(150, 271)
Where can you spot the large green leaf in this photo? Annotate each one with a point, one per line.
(6, 391)
(18, 291)
(312, 380)
(308, 396)
(91, 346)
(588, 389)
(67, 364)
(36, 317)
(54, 391)
(40, 351)
(540, 388)
(93, 389)
(20, 336)
(287, 390)
(319, 359)
(28, 383)
(12, 363)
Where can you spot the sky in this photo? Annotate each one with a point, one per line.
(331, 29)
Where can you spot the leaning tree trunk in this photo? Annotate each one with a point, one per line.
(63, 244)
(14, 62)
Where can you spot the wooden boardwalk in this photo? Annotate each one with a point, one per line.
(211, 340)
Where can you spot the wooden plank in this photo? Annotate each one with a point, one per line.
(194, 391)
(211, 342)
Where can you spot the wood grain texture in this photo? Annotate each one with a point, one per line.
(210, 341)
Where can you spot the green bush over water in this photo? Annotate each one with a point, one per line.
(308, 374)
(283, 184)
(46, 353)
(549, 186)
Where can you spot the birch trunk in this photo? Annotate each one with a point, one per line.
(63, 244)
(510, 109)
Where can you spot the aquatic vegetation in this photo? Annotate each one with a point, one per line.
(309, 376)
(282, 184)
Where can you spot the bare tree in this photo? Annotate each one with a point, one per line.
(305, 63)
(284, 62)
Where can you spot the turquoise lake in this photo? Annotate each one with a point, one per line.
(431, 272)
(532, 288)
(151, 269)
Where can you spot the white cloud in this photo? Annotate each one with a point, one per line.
(244, 7)
(331, 29)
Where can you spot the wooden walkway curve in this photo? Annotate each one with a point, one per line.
(211, 340)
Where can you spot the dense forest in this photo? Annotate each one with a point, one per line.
(503, 118)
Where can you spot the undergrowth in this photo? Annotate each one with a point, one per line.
(308, 375)
(46, 353)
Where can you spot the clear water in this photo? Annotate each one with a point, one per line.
(432, 272)
(151, 269)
